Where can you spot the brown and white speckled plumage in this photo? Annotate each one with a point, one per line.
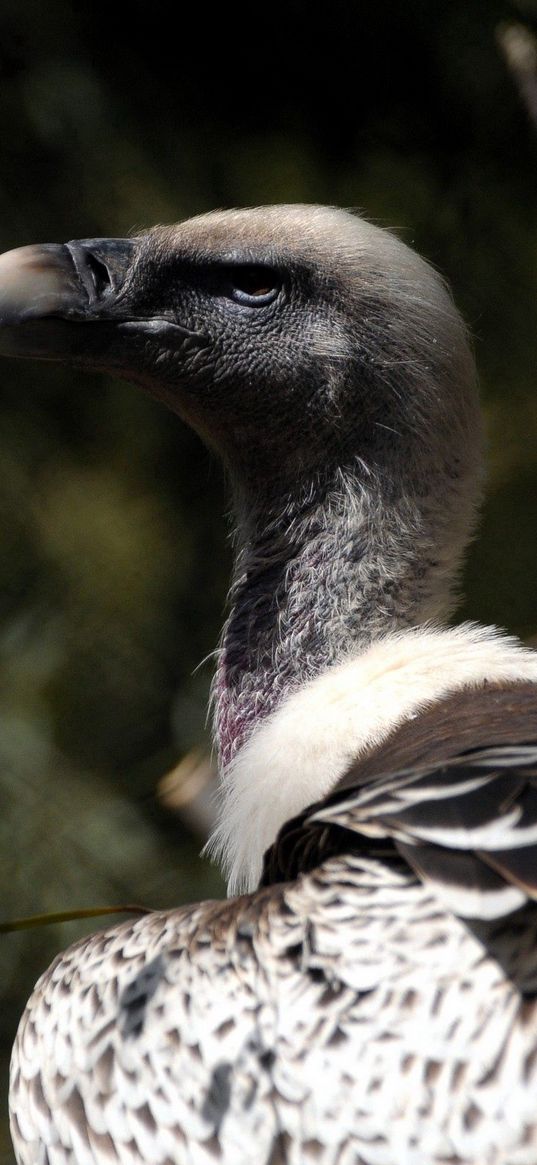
(342, 1017)
(373, 1003)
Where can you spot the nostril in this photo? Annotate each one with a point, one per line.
(101, 266)
(99, 274)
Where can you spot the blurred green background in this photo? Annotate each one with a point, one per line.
(114, 545)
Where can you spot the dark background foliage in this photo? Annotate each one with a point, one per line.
(114, 554)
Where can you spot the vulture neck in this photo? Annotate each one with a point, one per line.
(321, 572)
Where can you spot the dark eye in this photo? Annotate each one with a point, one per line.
(253, 284)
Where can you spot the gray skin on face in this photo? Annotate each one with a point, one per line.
(326, 364)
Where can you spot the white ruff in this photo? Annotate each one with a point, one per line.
(298, 754)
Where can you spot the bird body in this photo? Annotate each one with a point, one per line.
(343, 1016)
(371, 999)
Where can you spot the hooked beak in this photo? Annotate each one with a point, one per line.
(50, 293)
(72, 302)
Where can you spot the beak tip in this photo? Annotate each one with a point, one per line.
(31, 284)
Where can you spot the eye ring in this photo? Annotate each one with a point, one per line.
(253, 284)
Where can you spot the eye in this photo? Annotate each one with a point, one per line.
(253, 284)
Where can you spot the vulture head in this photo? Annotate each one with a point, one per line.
(326, 364)
(290, 337)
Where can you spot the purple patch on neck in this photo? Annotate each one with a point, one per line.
(233, 723)
(240, 707)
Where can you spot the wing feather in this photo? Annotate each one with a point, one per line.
(467, 827)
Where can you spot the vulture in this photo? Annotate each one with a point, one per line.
(368, 995)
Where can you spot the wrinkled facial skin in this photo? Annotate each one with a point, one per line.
(261, 332)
